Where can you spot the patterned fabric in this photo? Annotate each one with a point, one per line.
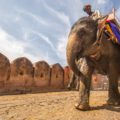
(115, 30)
(112, 35)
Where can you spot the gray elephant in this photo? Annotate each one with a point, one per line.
(103, 56)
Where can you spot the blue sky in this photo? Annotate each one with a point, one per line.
(38, 29)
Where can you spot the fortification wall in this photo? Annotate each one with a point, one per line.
(21, 75)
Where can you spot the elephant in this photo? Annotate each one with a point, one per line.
(103, 57)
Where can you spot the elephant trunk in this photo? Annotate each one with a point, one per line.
(72, 52)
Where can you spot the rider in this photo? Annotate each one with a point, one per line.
(113, 24)
(94, 14)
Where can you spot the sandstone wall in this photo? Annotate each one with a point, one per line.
(57, 76)
(67, 74)
(42, 74)
(99, 82)
(22, 73)
(4, 71)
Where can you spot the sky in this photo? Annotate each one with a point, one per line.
(38, 29)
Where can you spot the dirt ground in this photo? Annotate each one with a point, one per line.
(55, 106)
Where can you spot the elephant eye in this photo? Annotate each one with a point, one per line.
(81, 32)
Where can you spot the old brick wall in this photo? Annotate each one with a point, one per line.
(99, 82)
(21, 73)
(67, 74)
(4, 71)
(57, 76)
(42, 74)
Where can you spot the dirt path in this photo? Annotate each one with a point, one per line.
(55, 106)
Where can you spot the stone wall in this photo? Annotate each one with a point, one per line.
(57, 76)
(22, 72)
(99, 82)
(23, 75)
(4, 71)
(42, 74)
(67, 74)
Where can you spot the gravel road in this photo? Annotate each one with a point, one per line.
(55, 106)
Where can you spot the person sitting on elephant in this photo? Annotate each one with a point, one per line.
(93, 14)
(111, 23)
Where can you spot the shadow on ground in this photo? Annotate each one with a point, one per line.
(107, 107)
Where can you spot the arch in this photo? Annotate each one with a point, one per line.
(57, 76)
(21, 73)
(4, 70)
(42, 74)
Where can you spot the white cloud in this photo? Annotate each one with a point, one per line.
(60, 15)
(61, 48)
(101, 1)
(118, 15)
(57, 24)
(13, 48)
(45, 38)
(17, 18)
(33, 16)
(10, 46)
(38, 57)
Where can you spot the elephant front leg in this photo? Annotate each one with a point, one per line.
(84, 93)
(85, 83)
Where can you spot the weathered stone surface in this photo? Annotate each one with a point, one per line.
(99, 82)
(42, 74)
(67, 73)
(4, 70)
(22, 72)
(56, 106)
(57, 76)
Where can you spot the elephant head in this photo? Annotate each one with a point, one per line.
(81, 37)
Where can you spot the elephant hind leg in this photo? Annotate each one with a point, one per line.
(71, 83)
(113, 94)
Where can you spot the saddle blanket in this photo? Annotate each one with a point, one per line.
(115, 30)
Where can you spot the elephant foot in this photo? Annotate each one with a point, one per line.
(81, 107)
(69, 87)
(114, 101)
(77, 88)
